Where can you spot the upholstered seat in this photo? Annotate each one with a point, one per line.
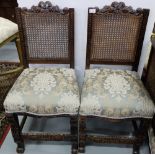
(7, 29)
(44, 91)
(115, 94)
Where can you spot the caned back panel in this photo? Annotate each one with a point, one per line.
(47, 37)
(115, 37)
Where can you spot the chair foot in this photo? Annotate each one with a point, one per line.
(74, 150)
(75, 146)
(20, 148)
(81, 149)
(136, 149)
(16, 132)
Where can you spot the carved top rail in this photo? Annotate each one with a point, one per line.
(46, 7)
(119, 7)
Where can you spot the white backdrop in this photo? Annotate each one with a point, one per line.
(81, 8)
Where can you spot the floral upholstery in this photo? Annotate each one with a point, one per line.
(44, 91)
(115, 94)
(7, 29)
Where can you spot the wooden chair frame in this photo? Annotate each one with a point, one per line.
(17, 42)
(11, 38)
(145, 78)
(140, 131)
(16, 128)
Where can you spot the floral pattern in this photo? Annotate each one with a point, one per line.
(95, 107)
(15, 102)
(92, 73)
(43, 83)
(67, 72)
(68, 103)
(117, 86)
(44, 91)
(117, 94)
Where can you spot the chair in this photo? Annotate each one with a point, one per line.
(9, 32)
(47, 37)
(115, 37)
(9, 71)
(149, 81)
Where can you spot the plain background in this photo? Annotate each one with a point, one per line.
(81, 9)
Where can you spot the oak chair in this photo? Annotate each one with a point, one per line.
(115, 37)
(47, 37)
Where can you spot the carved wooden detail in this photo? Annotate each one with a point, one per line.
(118, 7)
(45, 7)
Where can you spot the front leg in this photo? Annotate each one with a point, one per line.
(82, 134)
(140, 134)
(16, 132)
(74, 133)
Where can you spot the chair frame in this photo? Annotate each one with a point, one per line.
(11, 38)
(146, 70)
(17, 42)
(140, 131)
(16, 128)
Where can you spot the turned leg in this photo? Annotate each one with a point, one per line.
(74, 133)
(16, 132)
(82, 133)
(140, 134)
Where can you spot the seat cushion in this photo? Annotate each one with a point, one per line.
(115, 94)
(7, 29)
(44, 91)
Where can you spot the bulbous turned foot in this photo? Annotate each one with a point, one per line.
(74, 151)
(81, 150)
(20, 149)
(74, 148)
(135, 149)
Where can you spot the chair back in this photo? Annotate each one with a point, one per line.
(115, 35)
(47, 34)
